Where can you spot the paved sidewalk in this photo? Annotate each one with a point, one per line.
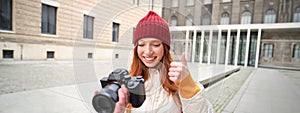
(77, 98)
(268, 91)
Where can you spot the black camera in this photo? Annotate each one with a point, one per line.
(105, 100)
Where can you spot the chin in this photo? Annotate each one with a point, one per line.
(151, 65)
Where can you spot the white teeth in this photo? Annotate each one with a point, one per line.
(149, 58)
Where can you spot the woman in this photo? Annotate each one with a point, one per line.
(169, 86)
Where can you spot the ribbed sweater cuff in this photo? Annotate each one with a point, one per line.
(188, 87)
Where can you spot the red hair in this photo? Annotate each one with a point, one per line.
(138, 68)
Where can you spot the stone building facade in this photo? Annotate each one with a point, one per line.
(236, 32)
(70, 30)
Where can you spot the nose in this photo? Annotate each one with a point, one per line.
(148, 50)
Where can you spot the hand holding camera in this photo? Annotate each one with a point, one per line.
(105, 100)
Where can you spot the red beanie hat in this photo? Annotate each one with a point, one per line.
(152, 26)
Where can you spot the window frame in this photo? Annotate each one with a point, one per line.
(46, 24)
(225, 18)
(296, 51)
(246, 17)
(296, 15)
(90, 56)
(115, 32)
(270, 16)
(88, 26)
(50, 54)
(174, 21)
(206, 20)
(5, 56)
(268, 50)
(8, 23)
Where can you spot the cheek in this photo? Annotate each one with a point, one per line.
(139, 52)
(160, 52)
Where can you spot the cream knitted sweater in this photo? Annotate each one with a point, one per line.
(158, 100)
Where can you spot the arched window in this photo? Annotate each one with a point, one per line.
(174, 3)
(246, 17)
(189, 20)
(297, 15)
(224, 18)
(270, 16)
(206, 19)
(173, 21)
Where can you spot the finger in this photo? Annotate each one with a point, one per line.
(175, 64)
(173, 74)
(183, 59)
(119, 108)
(174, 79)
(96, 92)
(177, 69)
(126, 93)
(121, 97)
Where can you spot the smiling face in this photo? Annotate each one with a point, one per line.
(150, 51)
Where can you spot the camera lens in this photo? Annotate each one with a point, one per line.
(102, 104)
(105, 101)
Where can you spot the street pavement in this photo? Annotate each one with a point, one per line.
(268, 91)
(70, 85)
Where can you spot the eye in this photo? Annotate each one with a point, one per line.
(156, 44)
(141, 45)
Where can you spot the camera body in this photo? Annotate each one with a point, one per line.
(105, 100)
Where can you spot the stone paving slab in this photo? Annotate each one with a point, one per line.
(73, 98)
(268, 91)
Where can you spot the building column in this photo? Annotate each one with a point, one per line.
(237, 46)
(209, 46)
(227, 46)
(187, 33)
(247, 48)
(194, 46)
(218, 46)
(257, 47)
(201, 46)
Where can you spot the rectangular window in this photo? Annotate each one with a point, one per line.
(50, 54)
(88, 27)
(268, 50)
(115, 33)
(90, 55)
(48, 19)
(296, 51)
(136, 2)
(8, 53)
(6, 15)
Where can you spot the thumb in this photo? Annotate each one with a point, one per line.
(183, 59)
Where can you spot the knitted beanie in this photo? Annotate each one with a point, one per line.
(152, 26)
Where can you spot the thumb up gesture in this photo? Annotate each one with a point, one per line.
(178, 70)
